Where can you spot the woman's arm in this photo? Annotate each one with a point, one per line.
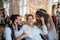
(51, 24)
(44, 28)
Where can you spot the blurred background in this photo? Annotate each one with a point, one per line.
(24, 7)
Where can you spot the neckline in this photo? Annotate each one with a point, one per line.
(30, 27)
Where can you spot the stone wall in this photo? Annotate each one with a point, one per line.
(37, 4)
(1, 4)
(14, 7)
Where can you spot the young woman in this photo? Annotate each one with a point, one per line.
(54, 15)
(48, 22)
(31, 31)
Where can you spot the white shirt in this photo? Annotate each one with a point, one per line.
(33, 33)
(8, 33)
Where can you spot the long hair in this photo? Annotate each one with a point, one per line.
(43, 13)
(53, 8)
(13, 18)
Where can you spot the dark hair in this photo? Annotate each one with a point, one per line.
(28, 16)
(58, 4)
(14, 17)
(53, 6)
(43, 13)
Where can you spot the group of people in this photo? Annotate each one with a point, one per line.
(43, 26)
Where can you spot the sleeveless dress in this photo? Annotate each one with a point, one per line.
(52, 34)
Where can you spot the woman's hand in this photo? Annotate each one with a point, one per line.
(16, 27)
(42, 19)
(22, 36)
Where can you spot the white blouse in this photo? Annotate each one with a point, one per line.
(52, 34)
(33, 33)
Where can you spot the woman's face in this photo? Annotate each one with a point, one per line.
(37, 18)
(30, 20)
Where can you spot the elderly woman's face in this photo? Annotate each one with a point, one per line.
(30, 20)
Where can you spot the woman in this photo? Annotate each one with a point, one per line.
(49, 23)
(31, 31)
(54, 15)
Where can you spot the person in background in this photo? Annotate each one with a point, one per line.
(7, 21)
(54, 15)
(3, 21)
(58, 7)
(9, 31)
(48, 22)
(30, 31)
(58, 13)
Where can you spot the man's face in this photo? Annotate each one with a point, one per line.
(19, 21)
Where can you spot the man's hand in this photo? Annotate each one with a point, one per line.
(22, 36)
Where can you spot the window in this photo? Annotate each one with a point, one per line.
(24, 8)
(6, 6)
(55, 0)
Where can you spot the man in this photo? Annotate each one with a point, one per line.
(9, 31)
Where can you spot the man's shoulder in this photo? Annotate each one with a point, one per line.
(7, 30)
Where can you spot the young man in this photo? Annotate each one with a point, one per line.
(9, 31)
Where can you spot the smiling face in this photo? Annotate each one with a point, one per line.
(30, 20)
(19, 21)
(38, 18)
